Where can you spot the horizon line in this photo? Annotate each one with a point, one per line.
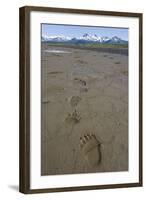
(82, 35)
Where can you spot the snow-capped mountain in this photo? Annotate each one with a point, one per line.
(90, 37)
(94, 37)
(59, 38)
(86, 38)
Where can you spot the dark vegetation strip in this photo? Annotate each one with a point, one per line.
(107, 48)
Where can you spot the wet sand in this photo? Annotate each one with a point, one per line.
(83, 92)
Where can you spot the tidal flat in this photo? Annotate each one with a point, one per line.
(83, 92)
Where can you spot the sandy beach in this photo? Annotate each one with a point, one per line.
(83, 92)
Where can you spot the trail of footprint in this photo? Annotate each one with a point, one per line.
(74, 100)
(90, 148)
(80, 81)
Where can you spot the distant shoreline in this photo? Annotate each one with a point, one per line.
(106, 49)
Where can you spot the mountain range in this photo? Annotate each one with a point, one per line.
(86, 38)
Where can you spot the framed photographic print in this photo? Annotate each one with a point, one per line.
(80, 99)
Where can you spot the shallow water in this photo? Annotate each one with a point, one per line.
(56, 51)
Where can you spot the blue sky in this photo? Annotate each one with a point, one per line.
(77, 31)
